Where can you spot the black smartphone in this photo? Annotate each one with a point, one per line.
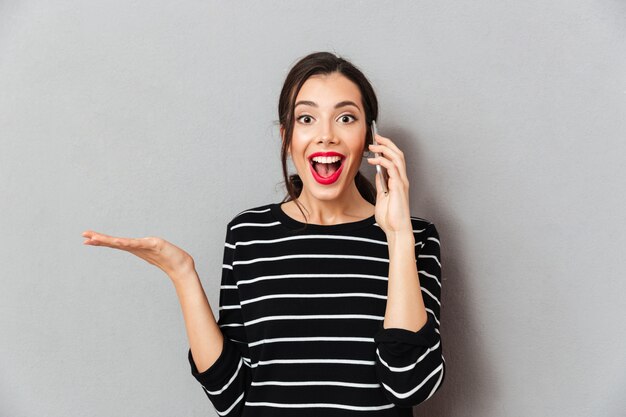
(381, 170)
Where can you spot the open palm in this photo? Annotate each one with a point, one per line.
(155, 250)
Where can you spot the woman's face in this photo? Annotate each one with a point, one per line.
(329, 135)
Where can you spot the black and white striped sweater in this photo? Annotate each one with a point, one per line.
(302, 311)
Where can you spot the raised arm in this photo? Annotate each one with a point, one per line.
(216, 357)
(409, 358)
(205, 337)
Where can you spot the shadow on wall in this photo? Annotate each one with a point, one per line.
(469, 384)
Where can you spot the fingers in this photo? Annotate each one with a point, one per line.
(391, 168)
(100, 239)
(387, 148)
(395, 171)
(389, 143)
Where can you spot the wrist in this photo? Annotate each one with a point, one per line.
(184, 272)
(401, 235)
(401, 239)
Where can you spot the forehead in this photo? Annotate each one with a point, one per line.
(327, 89)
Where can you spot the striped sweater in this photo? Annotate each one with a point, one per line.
(302, 312)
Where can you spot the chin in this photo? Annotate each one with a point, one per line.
(318, 192)
(323, 194)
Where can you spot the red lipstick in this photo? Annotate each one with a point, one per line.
(326, 154)
(326, 180)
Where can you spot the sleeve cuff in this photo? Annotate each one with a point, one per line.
(222, 369)
(426, 336)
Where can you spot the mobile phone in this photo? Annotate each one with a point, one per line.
(381, 170)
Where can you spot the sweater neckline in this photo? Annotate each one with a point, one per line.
(292, 223)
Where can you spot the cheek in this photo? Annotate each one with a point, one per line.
(297, 146)
(358, 146)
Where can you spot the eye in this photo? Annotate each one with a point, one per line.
(343, 118)
(302, 116)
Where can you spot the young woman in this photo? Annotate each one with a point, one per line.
(330, 300)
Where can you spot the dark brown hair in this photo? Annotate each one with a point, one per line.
(313, 64)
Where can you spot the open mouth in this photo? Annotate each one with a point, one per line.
(326, 168)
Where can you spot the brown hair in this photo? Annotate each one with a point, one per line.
(313, 64)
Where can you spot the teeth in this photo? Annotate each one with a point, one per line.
(326, 159)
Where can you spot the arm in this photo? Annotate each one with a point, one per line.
(409, 359)
(219, 359)
(405, 304)
(217, 349)
(205, 337)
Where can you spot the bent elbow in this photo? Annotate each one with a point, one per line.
(420, 392)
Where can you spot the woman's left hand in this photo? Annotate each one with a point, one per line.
(392, 209)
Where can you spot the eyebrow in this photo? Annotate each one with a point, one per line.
(340, 104)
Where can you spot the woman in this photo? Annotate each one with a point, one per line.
(329, 300)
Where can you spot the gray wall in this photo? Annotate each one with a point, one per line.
(154, 118)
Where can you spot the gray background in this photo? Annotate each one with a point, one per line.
(155, 118)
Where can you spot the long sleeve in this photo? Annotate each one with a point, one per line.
(227, 380)
(410, 365)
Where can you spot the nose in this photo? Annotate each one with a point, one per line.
(327, 139)
(327, 134)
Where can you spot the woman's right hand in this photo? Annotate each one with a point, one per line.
(169, 258)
